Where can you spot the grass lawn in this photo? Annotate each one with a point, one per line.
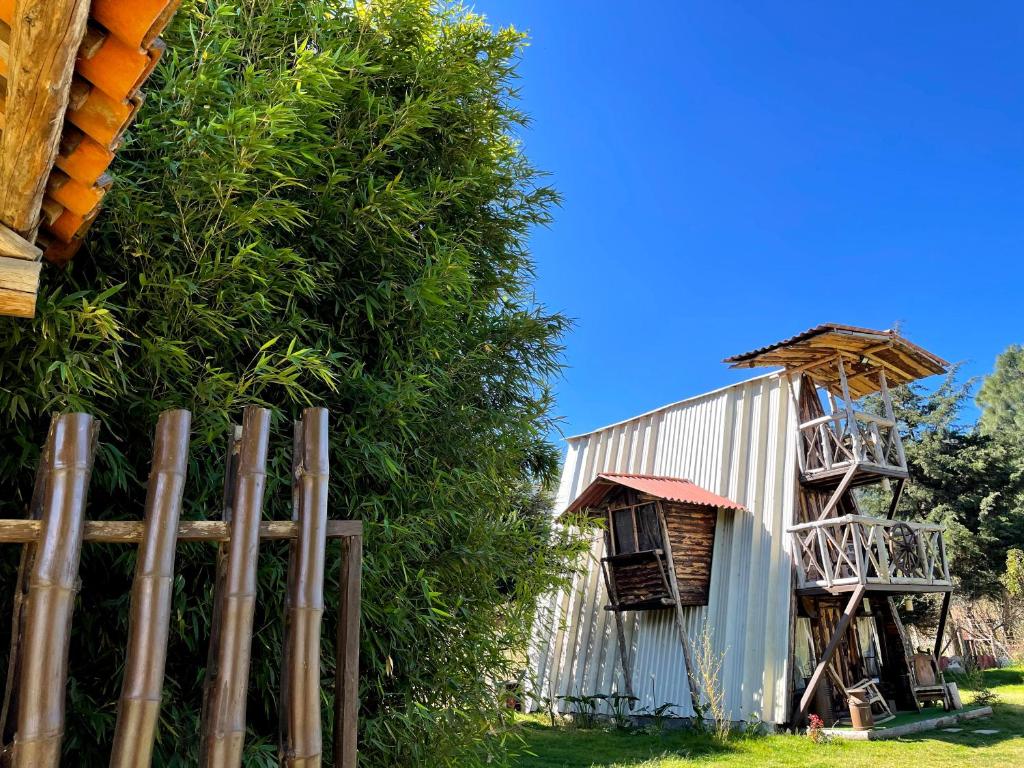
(568, 748)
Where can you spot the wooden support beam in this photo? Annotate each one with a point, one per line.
(844, 622)
(613, 596)
(346, 687)
(896, 496)
(843, 486)
(943, 614)
(684, 641)
(45, 38)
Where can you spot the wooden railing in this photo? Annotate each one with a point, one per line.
(836, 441)
(839, 553)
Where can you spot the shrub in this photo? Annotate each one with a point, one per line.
(322, 203)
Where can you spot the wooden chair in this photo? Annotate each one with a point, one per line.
(929, 684)
(867, 689)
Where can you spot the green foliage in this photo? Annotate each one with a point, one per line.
(1001, 398)
(962, 477)
(322, 203)
(1013, 578)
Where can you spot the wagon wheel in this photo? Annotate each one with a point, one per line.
(904, 554)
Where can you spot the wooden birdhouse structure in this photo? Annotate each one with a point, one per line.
(660, 537)
(850, 564)
(71, 76)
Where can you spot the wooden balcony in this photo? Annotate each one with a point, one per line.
(830, 445)
(839, 554)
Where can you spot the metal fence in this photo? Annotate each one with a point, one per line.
(32, 718)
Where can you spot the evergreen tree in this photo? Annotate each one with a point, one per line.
(1001, 399)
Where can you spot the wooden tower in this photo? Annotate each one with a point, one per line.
(849, 565)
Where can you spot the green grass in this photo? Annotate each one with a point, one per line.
(568, 748)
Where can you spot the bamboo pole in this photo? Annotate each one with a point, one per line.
(209, 531)
(236, 600)
(301, 734)
(51, 595)
(7, 714)
(46, 35)
(346, 685)
(152, 592)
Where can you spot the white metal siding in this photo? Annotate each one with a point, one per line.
(737, 442)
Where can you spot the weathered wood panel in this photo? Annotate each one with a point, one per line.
(45, 38)
(691, 533)
(639, 582)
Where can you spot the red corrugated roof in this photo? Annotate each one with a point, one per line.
(668, 488)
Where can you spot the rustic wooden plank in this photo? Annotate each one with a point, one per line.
(19, 275)
(17, 303)
(131, 531)
(225, 715)
(346, 685)
(46, 35)
(301, 731)
(50, 600)
(15, 246)
(152, 592)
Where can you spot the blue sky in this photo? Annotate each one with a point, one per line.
(734, 173)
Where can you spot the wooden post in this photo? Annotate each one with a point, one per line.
(152, 595)
(896, 496)
(943, 614)
(851, 417)
(844, 622)
(346, 685)
(837, 495)
(236, 601)
(891, 415)
(50, 600)
(301, 736)
(620, 631)
(684, 641)
(45, 37)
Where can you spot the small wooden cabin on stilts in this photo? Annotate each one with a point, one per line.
(659, 538)
(767, 551)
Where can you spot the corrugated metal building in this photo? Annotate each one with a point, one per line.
(737, 442)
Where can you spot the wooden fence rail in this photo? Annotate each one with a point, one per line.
(32, 717)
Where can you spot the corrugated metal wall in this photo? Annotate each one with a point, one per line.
(737, 442)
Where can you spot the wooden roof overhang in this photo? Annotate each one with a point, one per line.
(863, 351)
(71, 74)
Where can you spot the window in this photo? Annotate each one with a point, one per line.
(635, 528)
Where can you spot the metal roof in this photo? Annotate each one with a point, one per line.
(668, 488)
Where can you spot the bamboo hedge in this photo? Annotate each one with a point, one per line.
(322, 203)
